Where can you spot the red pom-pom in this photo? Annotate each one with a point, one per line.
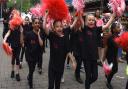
(107, 68)
(7, 48)
(123, 41)
(16, 20)
(58, 9)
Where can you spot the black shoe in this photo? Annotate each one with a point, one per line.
(40, 71)
(30, 83)
(12, 74)
(17, 77)
(99, 63)
(30, 86)
(109, 86)
(79, 80)
(20, 66)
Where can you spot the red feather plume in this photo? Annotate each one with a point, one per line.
(16, 20)
(7, 48)
(58, 9)
(123, 41)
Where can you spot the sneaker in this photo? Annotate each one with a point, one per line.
(62, 80)
(79, 80)
(109, 86)
(12, 74)
(17, 77)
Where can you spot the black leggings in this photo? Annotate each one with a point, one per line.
(32, 61)
(78, 67)
(114, 69)
(91, 72)
(31, 65)
(54, 78)
(40, 61)
(15, 56)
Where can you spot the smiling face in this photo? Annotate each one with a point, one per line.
(36, 24)
(58, 27)
(91, 21)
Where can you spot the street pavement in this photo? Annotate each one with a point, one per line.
(41, 81)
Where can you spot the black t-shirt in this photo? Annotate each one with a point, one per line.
(76, 41)
(90, 44)
(33, 47)
(67, 32)
(112, 50)
(58, 50)
(14, 38)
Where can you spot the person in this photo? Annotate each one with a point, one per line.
(89, 49)
(112, 53)
(40, 61)
(99, 22)
(15, 42)
(76, 41)
(27, 26)
(58, 51)
(33, 41)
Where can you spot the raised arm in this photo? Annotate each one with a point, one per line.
(109, 22)
(75, 20)
(44, 23)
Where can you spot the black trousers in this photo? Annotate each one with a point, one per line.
(31, 66)
(91, 68)
(114, 69)
(78, 67)
(15, 55)
(40, 61)
(32, 61)
(54, 78)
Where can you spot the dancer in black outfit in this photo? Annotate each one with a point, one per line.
(33, 41)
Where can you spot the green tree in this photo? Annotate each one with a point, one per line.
(33, 2)
(22, 5)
